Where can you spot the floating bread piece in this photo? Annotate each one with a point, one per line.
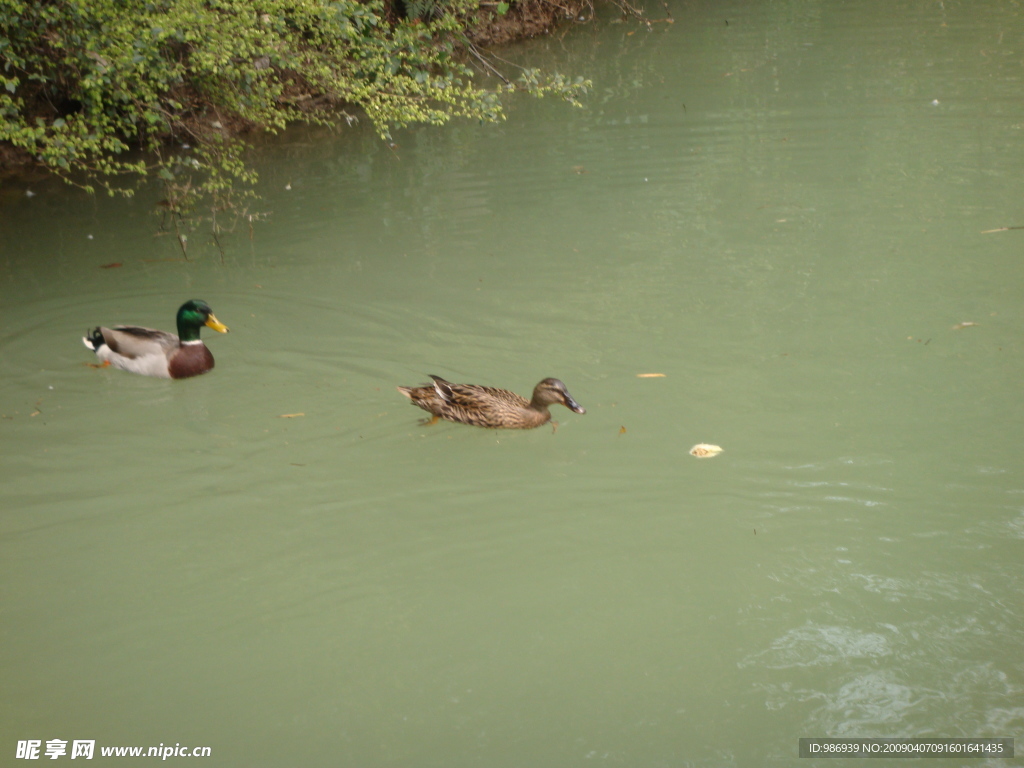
(705, 450)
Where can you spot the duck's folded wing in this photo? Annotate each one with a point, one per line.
(477, 396)
(136, 341)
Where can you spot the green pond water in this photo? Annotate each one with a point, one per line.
(782, 207)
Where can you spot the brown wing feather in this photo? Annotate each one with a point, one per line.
(474, 395)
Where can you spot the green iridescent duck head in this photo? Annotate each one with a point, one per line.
(192, 316)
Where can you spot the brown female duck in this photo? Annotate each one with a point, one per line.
(490, 407)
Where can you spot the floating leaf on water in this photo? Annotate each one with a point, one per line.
(705, 450)
(622, 430)
(112, 265)
(650, 375)
(290, 415)
(579, 169)
(966, 324)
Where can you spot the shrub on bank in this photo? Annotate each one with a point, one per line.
(84, 82)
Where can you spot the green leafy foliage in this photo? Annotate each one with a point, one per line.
(86, 83)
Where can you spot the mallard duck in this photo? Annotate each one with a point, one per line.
(159, 353)
(490, 407)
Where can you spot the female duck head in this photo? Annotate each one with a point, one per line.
(554, 392)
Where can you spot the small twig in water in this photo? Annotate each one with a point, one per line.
(998, 229)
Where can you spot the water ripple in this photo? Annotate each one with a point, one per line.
(817, 645)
